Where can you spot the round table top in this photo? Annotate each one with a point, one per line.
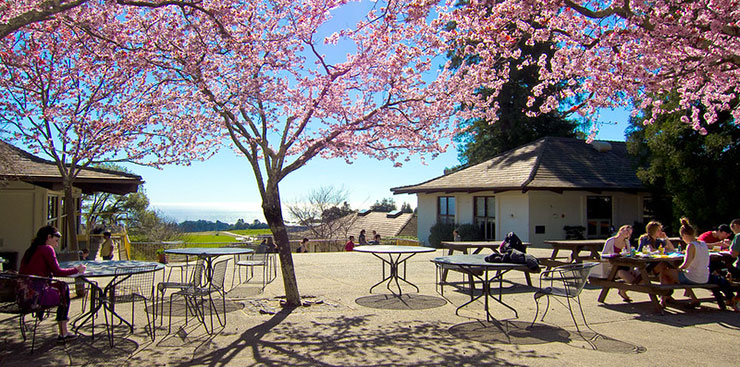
(209, 251)
(478, 260)
(108, 268)
(388, 249)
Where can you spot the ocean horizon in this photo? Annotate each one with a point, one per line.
(230, 213)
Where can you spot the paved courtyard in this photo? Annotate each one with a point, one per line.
(345, 325)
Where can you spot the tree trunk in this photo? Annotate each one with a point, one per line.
(70, 210)
(274, 217)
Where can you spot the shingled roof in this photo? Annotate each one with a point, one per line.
(545, 164)
(26, 167)
(385, 225)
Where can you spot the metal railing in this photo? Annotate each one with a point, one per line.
(148, 250)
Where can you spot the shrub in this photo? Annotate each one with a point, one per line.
(469, 232)
(440, 232)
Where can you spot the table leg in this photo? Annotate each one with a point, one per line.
(553, 256)
(444, 271)
(605, 290)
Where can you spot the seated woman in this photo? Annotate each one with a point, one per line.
(654, 238)
(40, 259)
(695, 266)
(651, 241)
(615, 245)
(376, 240)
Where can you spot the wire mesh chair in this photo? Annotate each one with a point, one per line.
(28, 294)
(566, 281)
(196, 279)
(266, 260)
(195, 297)
(132, 284)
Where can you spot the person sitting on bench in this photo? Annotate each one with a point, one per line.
(615, 245)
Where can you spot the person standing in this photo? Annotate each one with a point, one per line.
(106, 249)
(304, 246)
(40, 259)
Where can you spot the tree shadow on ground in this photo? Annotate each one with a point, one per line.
(351, 341)
(677, 314)
(48, 351)
(401, 302)
(520, 333)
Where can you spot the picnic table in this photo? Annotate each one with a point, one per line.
(647, 284)
(575, 247)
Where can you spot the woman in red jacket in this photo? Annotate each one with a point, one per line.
(41, 260)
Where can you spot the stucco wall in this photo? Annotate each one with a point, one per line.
(512, 214)
(21, 205)
(426, 205)
(554, 211)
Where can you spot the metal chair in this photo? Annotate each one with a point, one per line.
(566, 281)
(131, 284)
(196, 279)
(264, 259)
(23, 295)
(195, 297)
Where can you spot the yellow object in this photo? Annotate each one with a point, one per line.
(661, 249)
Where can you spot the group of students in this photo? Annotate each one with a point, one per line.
(361, 241)
(696, 267)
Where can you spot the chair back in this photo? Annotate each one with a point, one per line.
(134, 282)
(219, 274)
(197, 278)
(573, 277)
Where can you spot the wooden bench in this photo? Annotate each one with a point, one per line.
(648, 284)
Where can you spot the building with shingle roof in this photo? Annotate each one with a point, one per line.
(535, 190)
(31, 195)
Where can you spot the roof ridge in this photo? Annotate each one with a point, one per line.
(537, 161)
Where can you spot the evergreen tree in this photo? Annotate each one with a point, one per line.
(688, 173)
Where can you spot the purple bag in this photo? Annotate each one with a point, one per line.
(35, 294)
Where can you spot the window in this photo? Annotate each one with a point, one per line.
(446, 209)
(485, 216)
(52, 210)
(599, 216)
(648, 213)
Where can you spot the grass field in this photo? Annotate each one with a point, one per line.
(222, 236)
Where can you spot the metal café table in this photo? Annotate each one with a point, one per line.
(477, 247)
(476, 266)
(396, 255)
(99, 269)
(208, 254)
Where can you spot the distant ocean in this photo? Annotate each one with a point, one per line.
(195, 211)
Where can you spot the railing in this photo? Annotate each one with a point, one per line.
(148, 250)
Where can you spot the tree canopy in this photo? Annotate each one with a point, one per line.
(689, 173)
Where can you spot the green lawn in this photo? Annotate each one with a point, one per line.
(219, 236)
(251, 232)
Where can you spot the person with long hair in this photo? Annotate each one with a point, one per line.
(653, 238)
(40, 259)
(695, 266)
(614, 245)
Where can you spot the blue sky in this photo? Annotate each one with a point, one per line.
(224, 188)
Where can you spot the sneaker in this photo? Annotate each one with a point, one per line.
(68, 337)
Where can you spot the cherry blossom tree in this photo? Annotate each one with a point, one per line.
(286, 89)
(82, 103)
(619, 51)
(17, 14)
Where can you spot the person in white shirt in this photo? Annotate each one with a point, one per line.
(617, 244)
